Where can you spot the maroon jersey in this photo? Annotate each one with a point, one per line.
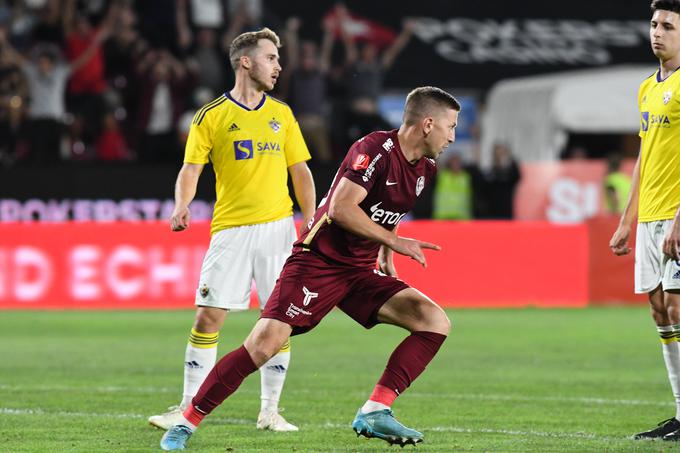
(376, 163)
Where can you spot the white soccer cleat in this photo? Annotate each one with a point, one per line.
(171, 418)
(273, 421)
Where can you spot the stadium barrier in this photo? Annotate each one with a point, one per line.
(143, 265)
(565, 191)
(610, 277)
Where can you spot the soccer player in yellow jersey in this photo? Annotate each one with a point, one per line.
(655, 197)
(253, 142)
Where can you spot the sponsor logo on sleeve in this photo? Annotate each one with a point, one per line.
(360, 162)
(388, 145)
(371, 168)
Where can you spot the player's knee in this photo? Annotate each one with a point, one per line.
(434, 319)
(260, 353)
(259, 356)
(672, 305)
(448, 324)
(441, 323)
(207, 321)
(660, 314)
(660, 317)
(206, 325)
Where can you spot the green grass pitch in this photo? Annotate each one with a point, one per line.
(525, 380)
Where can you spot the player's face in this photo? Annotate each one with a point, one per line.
(265, 67)
(442, 134)
(664, 34)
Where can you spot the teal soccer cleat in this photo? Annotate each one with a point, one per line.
(175, 438)
(383, 425)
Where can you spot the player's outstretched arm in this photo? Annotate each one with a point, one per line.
(619, 241)
(185, 191)
(413, 248)
(345, 211)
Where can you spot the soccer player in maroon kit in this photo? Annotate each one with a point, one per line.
(334, 264)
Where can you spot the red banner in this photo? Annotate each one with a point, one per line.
(500, 264)
(145, 265)
(96, 265)
(563, 192)
(611, 276)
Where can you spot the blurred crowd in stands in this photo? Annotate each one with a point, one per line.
(120, 80)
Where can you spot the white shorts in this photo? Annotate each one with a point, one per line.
(652, 266)
(237, 256)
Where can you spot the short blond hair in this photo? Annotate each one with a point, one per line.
(246, 42)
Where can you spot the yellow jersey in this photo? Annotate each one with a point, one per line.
(250, 150)
(659, 104)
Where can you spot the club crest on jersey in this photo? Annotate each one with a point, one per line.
(360, 162)
(420, 184)
(243, 149)
(275, 125)
(204, 291)
(667, 95)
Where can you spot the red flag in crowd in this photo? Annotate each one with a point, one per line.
(357, 27)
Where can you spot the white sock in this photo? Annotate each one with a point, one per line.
(199, 359)
(671, 355)
(372, 406)
(272, 378)
(188, 424)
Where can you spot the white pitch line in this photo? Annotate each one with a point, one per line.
(103, 389)
(559, 399)
(577, 435)
(471, 396)
(39, 411)
(327, 425)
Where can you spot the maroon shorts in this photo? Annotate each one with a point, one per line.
(309, 287)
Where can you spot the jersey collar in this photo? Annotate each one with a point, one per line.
(658, 75)
(257, 107)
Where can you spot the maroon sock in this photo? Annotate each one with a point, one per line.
(409, 359)
(223, 380)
